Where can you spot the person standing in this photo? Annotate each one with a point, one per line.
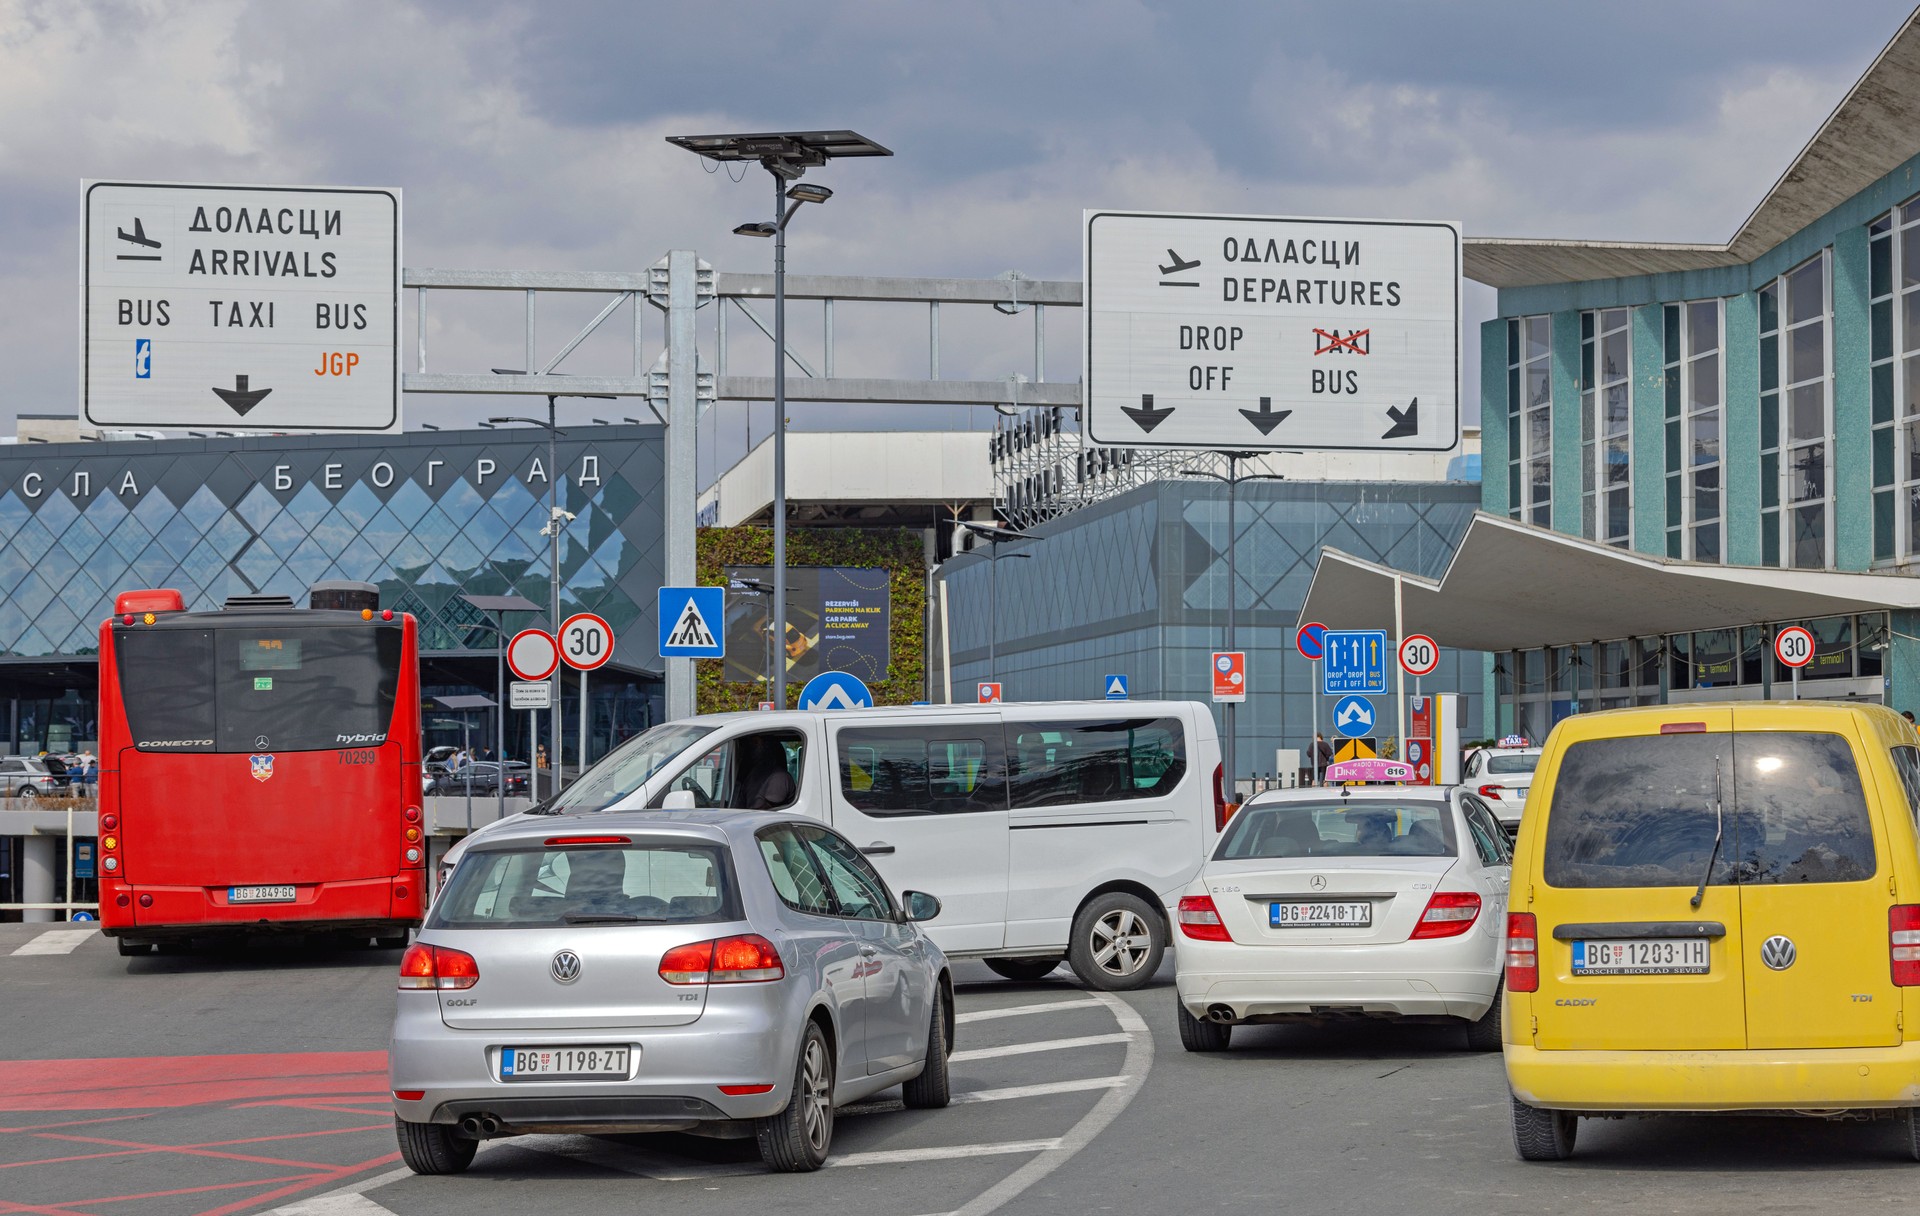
(1322, 755)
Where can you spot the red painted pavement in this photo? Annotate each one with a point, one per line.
(152, 1082)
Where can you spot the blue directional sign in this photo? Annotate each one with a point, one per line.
(1116, 687)
(693, 622)
(1353, 717)
(835, 690)
(1356, 662)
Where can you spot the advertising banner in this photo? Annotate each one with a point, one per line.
(838, 619)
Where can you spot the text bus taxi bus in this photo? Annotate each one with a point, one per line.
(259, 768)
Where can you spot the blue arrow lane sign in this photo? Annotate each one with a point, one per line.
(1353, 717)
(690, 622)
(1356, 662)
(836, 690)
(1116, 687)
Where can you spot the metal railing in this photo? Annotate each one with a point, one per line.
(74, 809)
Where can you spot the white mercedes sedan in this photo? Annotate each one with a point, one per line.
(1383, 902)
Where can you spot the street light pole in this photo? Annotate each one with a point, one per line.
(779, 438)
(553, 579)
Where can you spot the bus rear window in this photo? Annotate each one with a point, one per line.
(291, 689)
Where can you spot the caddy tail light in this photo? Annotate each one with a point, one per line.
(745, 959)
(1448, 914)
(1200, 920)
(1523, 953)
(1903, 944)
(1222, 809)
(424, 966)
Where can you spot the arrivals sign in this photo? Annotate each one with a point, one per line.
(1263, 333)
(257, 307)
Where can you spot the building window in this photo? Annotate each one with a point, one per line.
(1701, 391)
(1796, 419)
(1606, 467)
(1894, 286)
(1530, 420)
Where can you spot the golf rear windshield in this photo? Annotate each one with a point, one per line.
(635, 883)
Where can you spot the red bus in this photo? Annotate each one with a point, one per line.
(259, 769)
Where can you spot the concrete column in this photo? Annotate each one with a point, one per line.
(40, 858)
(682, 414)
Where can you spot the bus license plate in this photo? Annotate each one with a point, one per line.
(603, 1061)
(1641, 956)
(1321, 914)
(259, 895)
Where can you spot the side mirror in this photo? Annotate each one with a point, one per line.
(679, 800)
(920, 905)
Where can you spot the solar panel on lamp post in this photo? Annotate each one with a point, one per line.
(786, 155)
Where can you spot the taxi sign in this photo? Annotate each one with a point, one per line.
(1374, 769)
(1513, 741)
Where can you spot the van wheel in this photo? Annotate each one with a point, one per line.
(931, 1090)
(1199, 1035)
(1118, 941)
(1542, 1135)
(1484, 1035)
(1022, 970)
(1913, 1132)
(796, 1140)
(433, 1148)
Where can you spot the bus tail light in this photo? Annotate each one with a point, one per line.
(1903, 944)
(438, 967)
(1523, 953)
(1448, 914)
(166, 599)
(412, 855)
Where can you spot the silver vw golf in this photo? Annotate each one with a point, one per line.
(723, 972)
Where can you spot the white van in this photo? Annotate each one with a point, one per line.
(1049, 831)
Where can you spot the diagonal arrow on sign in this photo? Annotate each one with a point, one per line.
(1405, 422)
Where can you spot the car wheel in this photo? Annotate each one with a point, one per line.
(1913, 1132)
(1118, 941)
(433, 1148)
(131, 949)
(26, 791)
(1197, 1034)
(930, 1090)
(1484, 1035)
(795, 1141)
(1542, 1135)
(1023, 970)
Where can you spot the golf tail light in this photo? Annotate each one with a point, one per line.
(424, 966)
(1200, 920)
(1448, 914)
(1523, 954)
(746, 959)
(688, 964)
(1903, 944)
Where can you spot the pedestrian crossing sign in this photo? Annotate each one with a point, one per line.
(690, 622)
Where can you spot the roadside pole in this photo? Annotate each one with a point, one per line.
(583, 719)
(1399, 670)
(1313, 699)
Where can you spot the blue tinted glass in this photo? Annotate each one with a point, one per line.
(228, 534)
(285, 532)
(409, 502)
(358, 504)
(13, 623)
(33, 594)
(203, 509)
(459, 554)
(485, 529)
(435, 530)
(258, 507)
(32, 540)
(333, 531)
(204, 563)
(13, 568)
(258, 564)
(57, 566)
(81, 539)
(383, 531)
(151, 568)
(13, 513)
(154, 510)
(358, 561)
(178, 536)
(309, 506)
(129, 538)
(308, 564)
(460, 501)
(409, 555)
(103, 512)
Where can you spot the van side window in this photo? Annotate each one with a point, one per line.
(923, 770)
(760, 771)
(1906, 762)
(1115, 760)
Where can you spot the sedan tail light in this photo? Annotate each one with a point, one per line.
(745, 959)
(1200, 920)
(1903, 944)
(1448, 914)
(424, 966)
(1492, 791)
(1523, 954)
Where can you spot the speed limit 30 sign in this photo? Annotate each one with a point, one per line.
(1793, 646)
(586, 641)
(1419, 655)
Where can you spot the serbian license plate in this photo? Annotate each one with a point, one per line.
(259, 895)
(556, 1063)
(1321, 914)
(1641, 956)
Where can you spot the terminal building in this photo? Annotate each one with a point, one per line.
(1688, 446)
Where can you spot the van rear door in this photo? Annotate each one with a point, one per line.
(1626, 961)
(1813, 892)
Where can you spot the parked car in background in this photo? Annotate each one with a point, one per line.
(481, 777)
(30, 777)
(1502, 776)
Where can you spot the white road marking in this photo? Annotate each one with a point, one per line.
(1024, 1049)
(1041, 1090)
(1012, 1011)
(56, 941)
(348, 1200)
(944, 1152)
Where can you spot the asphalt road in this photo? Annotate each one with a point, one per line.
(226, 1085)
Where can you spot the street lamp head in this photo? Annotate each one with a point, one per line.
(785, 154)
(809, 192)
(759, 228)
(995, 532)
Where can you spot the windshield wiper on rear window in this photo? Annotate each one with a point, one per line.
(609, 918)
(1719, 824)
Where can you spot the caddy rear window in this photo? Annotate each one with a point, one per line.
(538, 887)
(1640, 811)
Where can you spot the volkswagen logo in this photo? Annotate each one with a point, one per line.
(1778, 953)
(1318, 882)
(566, 967)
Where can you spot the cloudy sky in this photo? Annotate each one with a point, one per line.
(530, 135)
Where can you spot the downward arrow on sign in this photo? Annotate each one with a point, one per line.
(1266, 417)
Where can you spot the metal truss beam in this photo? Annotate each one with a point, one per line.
(896, 392)
(912, 291)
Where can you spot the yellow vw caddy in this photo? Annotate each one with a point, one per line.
(1716, 908)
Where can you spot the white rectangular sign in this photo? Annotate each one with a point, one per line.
(263, 307)
(530, 694)
(1262, 333)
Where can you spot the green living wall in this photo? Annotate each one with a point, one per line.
(899, 551)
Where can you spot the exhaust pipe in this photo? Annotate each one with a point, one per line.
(1220, 1013)
(489, 1126)
(470, 1126)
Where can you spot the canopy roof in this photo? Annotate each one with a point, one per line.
(1512, 586)
(1873, 131)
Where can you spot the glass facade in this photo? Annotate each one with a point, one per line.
(427, 517)
(1138, 586)
(1530, 419)
(1606, 426)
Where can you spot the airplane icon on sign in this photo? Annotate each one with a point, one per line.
(1179, 264)
(139, 235)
